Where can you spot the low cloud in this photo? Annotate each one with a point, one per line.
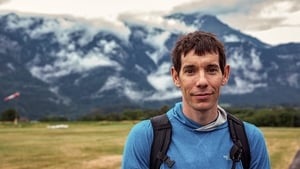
(123, 86)
(208, 6)
(265, 15)
(248, 15)
(262, 19)
(242, 86)
(154, 20)
(71, 62)
(63, 25)
(294, 80)
(161, 79)
(157, 40)
(166, 95)
(3, 1)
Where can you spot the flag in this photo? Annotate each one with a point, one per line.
(12, 96)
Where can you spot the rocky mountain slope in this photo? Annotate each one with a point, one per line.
(68, 67)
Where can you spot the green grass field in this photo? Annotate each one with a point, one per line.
(99, 145)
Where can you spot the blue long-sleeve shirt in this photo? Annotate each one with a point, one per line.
(192, 149)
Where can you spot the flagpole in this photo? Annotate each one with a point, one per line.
(16, 114)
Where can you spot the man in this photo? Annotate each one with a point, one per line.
(200, 134)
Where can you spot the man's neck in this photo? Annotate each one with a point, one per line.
(203, 117)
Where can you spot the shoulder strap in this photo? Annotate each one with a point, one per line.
(162, 131)
(240, 149)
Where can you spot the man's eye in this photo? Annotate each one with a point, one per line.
(212, 70)
(189, 71)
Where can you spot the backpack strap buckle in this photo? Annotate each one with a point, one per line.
(166, 159)
(236, 151)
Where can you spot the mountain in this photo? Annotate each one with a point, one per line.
(68, 67)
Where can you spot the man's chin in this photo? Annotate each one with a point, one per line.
(203, 106)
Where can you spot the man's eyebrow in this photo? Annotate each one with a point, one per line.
(188, 66)
(213, 65)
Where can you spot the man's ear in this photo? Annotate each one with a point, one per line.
(226, 75)
(175, 77)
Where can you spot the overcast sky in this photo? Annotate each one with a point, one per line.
(272, 21)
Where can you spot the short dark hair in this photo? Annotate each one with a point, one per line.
(202, 43)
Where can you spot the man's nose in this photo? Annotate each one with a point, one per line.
(201, 79)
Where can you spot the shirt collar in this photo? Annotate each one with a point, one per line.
(221, 119)
(178, 114)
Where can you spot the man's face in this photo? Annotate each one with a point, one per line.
(200, 80)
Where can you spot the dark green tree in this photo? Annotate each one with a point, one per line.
(9, 115)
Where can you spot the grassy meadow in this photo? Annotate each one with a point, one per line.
(99, 145)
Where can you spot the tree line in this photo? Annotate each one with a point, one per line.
(272, 117)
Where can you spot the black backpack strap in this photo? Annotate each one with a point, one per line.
(240, 150)
(162, 132)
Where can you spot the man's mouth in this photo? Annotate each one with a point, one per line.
(201, 96)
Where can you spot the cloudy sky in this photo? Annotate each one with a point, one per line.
(272, 21)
